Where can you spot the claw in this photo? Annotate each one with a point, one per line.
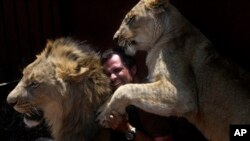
(102, 119)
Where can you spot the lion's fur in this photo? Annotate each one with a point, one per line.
(67, 83)
(188, 77)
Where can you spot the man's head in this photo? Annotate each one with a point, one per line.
(119, 67)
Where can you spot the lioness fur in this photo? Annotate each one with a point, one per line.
(187, 76)
(66, 82)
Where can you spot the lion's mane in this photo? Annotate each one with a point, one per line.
(66, 82)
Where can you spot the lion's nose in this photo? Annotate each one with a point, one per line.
(11, 101)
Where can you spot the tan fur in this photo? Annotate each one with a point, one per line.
(67, 83)
(187, 77)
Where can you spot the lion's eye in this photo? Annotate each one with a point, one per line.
(130, 20)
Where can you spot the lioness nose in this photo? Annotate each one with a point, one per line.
(116, 37)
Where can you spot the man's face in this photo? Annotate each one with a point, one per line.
(118, 73)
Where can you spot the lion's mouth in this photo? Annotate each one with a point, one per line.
(32, 115)
(34, 118)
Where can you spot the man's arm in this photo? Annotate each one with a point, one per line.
(120, 123)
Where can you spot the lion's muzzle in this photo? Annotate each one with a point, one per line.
(12, 99)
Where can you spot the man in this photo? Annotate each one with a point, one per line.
(141, 126)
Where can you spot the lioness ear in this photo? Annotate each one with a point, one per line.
(152, 4)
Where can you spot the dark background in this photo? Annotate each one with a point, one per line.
(25, 25)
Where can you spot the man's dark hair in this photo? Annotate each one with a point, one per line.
(129, 61)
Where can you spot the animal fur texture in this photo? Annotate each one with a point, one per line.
(188, 78)
(66, 84)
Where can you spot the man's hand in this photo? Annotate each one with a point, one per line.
(119, 122)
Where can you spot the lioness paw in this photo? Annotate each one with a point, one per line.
(102, 115)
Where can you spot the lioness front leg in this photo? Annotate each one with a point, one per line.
(159, 97)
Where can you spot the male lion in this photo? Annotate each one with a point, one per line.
(187, 77)
(65, 85)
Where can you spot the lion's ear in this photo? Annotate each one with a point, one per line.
(48, 48)
(153, 4)
(79, 73)
(71, 72)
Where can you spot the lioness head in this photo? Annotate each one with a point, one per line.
(145, 24)
(65, 81)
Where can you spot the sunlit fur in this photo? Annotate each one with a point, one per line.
(67, 83)
(187, 76)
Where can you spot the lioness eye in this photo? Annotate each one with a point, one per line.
(34, 84)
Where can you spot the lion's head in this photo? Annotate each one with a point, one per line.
(146, 23)
(64, 85)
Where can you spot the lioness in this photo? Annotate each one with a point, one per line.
(187, 77)
(65, 85)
